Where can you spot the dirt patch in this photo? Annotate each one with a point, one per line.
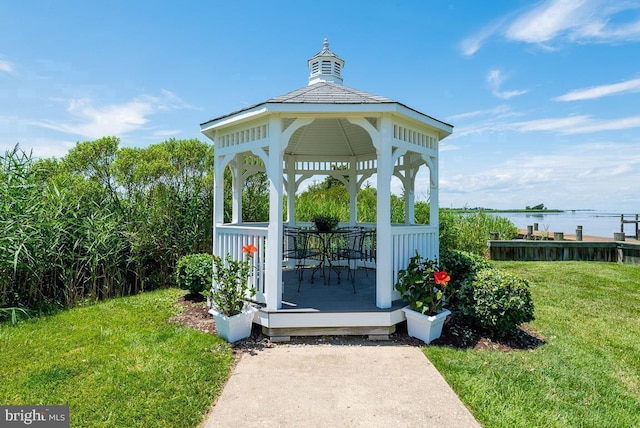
(195, 314)
(455, 334)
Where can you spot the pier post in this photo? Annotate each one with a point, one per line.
(579, 233)
(529, 232)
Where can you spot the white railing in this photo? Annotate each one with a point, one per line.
(406, 240)
(231, 239)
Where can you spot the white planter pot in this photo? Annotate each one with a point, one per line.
(425, 327)
(236, 327)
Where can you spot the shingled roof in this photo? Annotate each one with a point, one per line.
(329, 93)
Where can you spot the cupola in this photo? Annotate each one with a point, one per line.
(325, 66)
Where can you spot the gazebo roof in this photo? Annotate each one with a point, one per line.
(325, 94)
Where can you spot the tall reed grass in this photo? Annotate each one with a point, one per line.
(80, 227)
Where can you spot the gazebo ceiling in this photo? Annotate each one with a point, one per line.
(330, 137)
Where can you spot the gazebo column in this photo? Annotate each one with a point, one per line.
(291, 191)
(218, 199)
(409, 190)
(237, 185)
(353, 193)
(384, 280)
(273, 275)
(434, 203)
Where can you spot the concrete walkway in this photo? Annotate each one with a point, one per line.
(377, 385)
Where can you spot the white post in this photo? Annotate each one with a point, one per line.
(434, 206)
(237, 185)
(353, 192)
(291, 191)
(218, 201)
(384, 280)
(273, 276)
(409, 190)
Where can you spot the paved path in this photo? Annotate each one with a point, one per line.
(328, 386)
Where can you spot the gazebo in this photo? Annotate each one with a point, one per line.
(326, 129)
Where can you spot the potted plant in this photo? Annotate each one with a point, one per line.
(325, 222)
(229, 296)
(423, 285)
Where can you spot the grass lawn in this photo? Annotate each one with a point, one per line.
(117, 363)
(586, 374)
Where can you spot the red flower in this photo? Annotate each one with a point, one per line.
(441, 277)
(249, 249)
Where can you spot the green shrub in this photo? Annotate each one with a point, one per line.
(462, 266)
(194, 272)
(496, 301)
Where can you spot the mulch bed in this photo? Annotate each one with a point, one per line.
(455, 333)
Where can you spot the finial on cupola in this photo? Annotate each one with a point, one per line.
(325, 66)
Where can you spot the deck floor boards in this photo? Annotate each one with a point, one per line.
(329, 295)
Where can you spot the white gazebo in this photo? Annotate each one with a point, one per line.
(326, 128)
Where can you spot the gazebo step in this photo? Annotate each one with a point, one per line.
(284, 334)
(281, 325)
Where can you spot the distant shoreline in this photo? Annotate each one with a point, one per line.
(492, 210)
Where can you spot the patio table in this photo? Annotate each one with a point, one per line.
(325, 251)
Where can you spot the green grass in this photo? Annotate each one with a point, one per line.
(587, 374)
(118, 363)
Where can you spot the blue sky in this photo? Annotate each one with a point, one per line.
(544, 96)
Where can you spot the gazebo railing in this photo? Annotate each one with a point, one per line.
(231, 239)
(406, 240)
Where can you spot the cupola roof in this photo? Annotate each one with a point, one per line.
(325, 66)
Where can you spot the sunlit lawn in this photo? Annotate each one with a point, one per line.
(587, 374)
(118, 363)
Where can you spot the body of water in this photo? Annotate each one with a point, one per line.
(594, 223)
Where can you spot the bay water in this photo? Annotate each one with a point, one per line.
(594, 223)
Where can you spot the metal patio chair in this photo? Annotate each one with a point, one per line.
(297, 247)
(349, 247)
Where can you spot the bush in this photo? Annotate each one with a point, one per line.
(496, 301)
(462, 266)
(194, 272)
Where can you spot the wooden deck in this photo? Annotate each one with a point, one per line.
(327, 307)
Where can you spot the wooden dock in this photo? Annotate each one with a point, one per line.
(549, 247)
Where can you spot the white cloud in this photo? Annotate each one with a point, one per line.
(560, 124)
(95, 121)
(569, 125)
(500, 110)
(495, 79)
(167, 133)
(6, 66)
(580, 124)
(547, 20)
(582, 21)
(594, 92)
(42, 148)
(472, 44)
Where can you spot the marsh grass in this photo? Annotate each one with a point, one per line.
(117, 363)
(586, 374)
